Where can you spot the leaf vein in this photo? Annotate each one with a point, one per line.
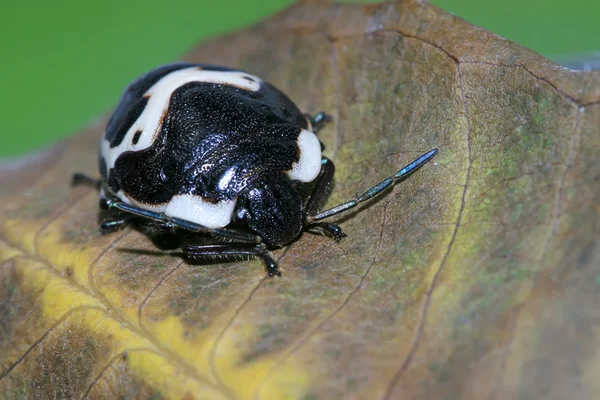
(123, 320)
(109, 363)
(551, 233)
(154, 289)
(212, 353)
(428, 295)
(46, 333)
(310, 333)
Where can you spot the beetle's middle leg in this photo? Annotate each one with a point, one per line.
(170, 223)
(116, 219)
(319, 120)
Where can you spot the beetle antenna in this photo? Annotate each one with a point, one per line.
(377, 189)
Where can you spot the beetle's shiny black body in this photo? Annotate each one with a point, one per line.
(209, 153)
(209, 131)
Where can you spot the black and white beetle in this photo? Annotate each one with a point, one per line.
(218, 160)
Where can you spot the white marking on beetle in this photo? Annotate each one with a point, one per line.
(189, 207)
(195, 209)
(307, 168)
(150, 207)
(150, 121)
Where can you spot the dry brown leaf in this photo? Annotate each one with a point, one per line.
(478, 278)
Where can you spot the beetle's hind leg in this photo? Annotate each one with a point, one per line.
(230, 252)
(80, 179)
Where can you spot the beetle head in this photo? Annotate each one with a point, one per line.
(272, 208)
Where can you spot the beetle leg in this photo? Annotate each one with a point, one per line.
(333, 231)
(319, 120)
(83, 179)
(316, 200)
(230, 252)
(113, 225)
(115, 219)
(167, 222)
(375, 190)
(322, 188)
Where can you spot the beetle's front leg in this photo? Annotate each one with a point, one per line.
(333, 231)
(316, 200)
(230, 252)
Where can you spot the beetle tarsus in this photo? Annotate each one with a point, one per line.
(272, 267)
(330, 230)
(104, 203)
(110, 226)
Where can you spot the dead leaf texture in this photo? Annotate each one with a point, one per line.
(477, 278)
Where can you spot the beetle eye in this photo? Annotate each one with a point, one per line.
(242, 216)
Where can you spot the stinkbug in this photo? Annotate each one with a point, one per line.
(217, 162)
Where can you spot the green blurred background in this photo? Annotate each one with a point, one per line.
(66, 62)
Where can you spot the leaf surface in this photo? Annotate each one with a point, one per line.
(478, 277)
